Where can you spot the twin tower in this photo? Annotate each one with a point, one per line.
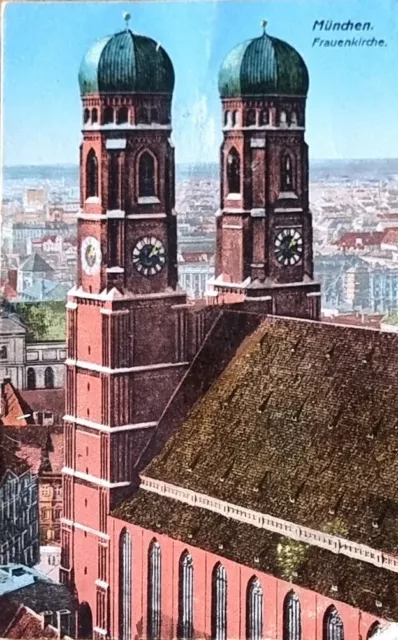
(127, 226)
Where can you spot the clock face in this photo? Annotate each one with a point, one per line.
(91, 255)
(288, 247)
(149, 256)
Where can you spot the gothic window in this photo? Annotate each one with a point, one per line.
(251, 118)
(122, 115)
(142, 116)
(332, 625)
(233, 171)
(113, 182)
(154, 591)
(185, 598)
(154, 115)
(31, 378)
(49, 378)
(254, 610)
(94, 115)
(287, 183)
(263, 117)
(3, 353)
(235, 119)
(283, 119)
(86, 115)
(291, 617)
(91, 175)
(125, 585)
(372, 633)
(219, 603)
(146, 175)
(293, 119)
(108, 115)
(227, 119)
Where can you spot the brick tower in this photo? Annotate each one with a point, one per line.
(264, 226)
(126, 350)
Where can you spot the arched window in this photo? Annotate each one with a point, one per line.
(254, 610)
(154, 115)
(113, 181)
(122, 115)
(287, 183)
(263, 119)
(219, 603)
(146, 175)
(227, 119)
(154, 591)
(251, 118)
(125, 586)
(235, 119)
(31, 378)
(233, 171)
(108, 115)
(185, 598)
(373, 630)
(293, 119)
(85, 621)
(86, 115)
(91, 175)
(49, 378)
(282, 118)
(94, 115)
(332, 625)
(291, 617)
(142, 116)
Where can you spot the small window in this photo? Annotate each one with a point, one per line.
(49, 378)
(146, 175)
(263, 117)
(154, 115)
(233, 171)
(283, 119)
(227, 119)
(31, 378)
(293, 119)
(251, 118)
(86, 115)
(94, 115)
(287, 183)
(91, 175)
(142, 116)
(122, 115)
(3, 353)
(108, 115)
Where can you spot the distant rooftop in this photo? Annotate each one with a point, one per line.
(16, 576)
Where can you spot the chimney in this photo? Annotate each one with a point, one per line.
(13, 278)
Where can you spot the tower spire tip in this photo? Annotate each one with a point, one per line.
(264, 25)
(126, 18)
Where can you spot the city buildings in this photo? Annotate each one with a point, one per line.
(225, 473)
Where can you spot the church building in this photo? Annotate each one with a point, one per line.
(230, 464)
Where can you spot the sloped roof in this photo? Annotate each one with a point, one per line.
(36, 263)
(302, 424)
(52, 400)
(14, 407)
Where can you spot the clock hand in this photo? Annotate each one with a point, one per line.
(154, 252)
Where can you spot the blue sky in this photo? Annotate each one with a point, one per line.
(352, 107)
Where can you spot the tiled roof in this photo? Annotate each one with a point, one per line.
(301, 425)
(358, 583)
(35, 441)
(14, 407)
(52, 400)
(354, 239)
(36, 263)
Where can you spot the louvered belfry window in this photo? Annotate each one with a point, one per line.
(154, 591)
(125, 586)
(291, 617)
(146, 173)
(219, 603)
(185, 598)
(233, 171)
(333, 628)
(254, 610)
(287, 173)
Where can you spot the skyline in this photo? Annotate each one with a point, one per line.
(351, 105)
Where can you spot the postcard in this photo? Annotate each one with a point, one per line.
(199, 320)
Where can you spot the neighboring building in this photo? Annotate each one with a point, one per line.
(361, 241)
(33, 269)
(32, 606)
(35, 200)
(194, 271)
(356, 287)
(32, 345)
(32, 420)
(19, 516)
(24, 231)
(50, 560)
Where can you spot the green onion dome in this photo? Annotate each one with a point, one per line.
(263, 66)
(126, 63)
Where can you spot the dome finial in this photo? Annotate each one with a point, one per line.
(264, 25)
(126, 18)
